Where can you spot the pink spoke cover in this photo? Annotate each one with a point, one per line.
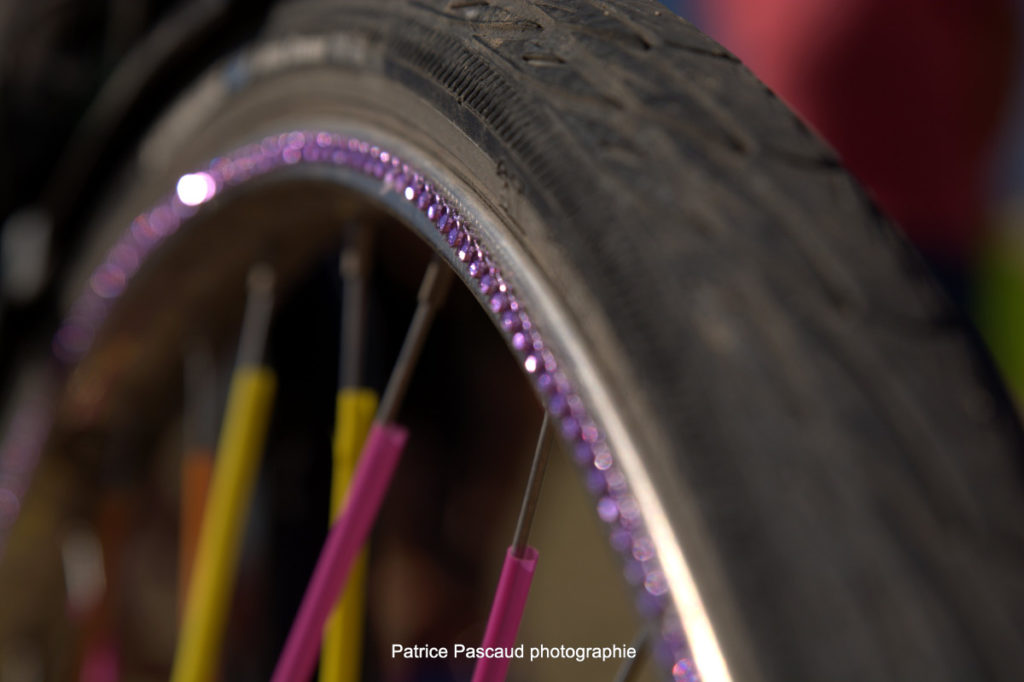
(506, 612)
(370, 482)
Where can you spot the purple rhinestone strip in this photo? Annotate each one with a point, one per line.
(616, 506)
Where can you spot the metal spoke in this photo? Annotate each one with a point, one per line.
(342, 649)
(259, 307)
(516, 574)
(200, 437)
(433, 289)
(354, 267)
(369, 484)
(239, 450)
(532, 494)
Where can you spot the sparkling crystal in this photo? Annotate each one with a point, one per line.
(613, 477)
(445, 221)
(570, 428)
(549, 361)
(634, 573)
(628, 508)
(544, 382)
(655, 583)
(499, 302)
(413, 189)
(455, 237)
(576, 406)
(685, 671)
(583, 455)
(621, 540)
(595, 482)
(509, 321)
(488, 284)
(556, 405)
(426, 198)
(643, 548)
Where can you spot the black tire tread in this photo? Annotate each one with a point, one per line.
(849, 453)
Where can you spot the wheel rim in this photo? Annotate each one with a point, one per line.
(458, 228)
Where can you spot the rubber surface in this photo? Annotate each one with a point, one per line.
(852, 474)
(842, 471)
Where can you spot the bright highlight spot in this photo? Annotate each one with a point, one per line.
(196, 188)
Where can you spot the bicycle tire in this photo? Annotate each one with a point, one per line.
(821, 435)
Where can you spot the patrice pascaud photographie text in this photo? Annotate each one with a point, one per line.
(521, 652)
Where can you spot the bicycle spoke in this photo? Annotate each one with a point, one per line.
(377, 463)
(197, 462)
(259, 305)
(516, 574)
(341, 660)
(529, 505)
(432, 292)
(631, 666)
(353, 266)
(234, 476)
